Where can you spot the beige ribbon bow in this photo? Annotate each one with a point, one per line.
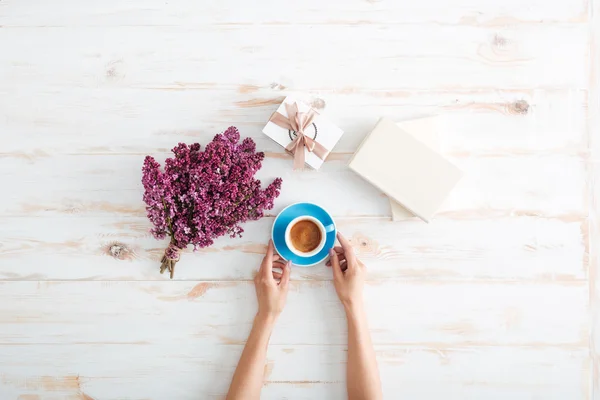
(298, 122)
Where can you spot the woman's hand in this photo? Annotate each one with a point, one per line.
(349, 273)
(362, 374)
(272, 285)
(271, 291)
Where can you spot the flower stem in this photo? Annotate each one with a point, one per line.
(169, 263)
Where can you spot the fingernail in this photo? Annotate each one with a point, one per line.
(289, 263)
(331, 252)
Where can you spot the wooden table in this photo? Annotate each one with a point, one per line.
(496, 299)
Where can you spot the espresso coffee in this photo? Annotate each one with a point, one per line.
(305, 236)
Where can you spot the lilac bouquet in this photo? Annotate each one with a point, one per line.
(202, 195)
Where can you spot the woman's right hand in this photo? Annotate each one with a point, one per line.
(272, 285)
(349, 273)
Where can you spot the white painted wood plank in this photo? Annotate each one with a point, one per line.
(409, 56)
(113, 248)
(594, 194)
(193, 13)
(551, 185)
(547, 185)
(111, 120)
(592, 240)
(417, 313)
(190, 370)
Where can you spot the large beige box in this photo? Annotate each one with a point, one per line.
(405, 169)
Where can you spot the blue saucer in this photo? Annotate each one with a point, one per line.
(281, 223)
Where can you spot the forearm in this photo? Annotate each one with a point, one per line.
(362, 373)
(248, 377)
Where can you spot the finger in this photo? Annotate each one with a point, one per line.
(276, 257)
(285, 278)
(340, 252)
(348, 250)
(277, 271)
(344, 265)
(345, 244)
(279, 263)
(268, 260)
(341, 257)
(277, 275)
(335, 264)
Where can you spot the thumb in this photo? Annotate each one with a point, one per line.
(335, 264)
(285, 276)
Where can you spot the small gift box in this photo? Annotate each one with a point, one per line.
(303, 132)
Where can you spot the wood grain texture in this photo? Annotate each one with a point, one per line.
(331, 13)
(546, 185)
(594, 195)
(157, 59)
(524, 248)
(133, 370)
(497, 298)
(454, 313)
(451, 339)
(114, 121)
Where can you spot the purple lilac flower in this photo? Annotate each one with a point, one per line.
(202, 195)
